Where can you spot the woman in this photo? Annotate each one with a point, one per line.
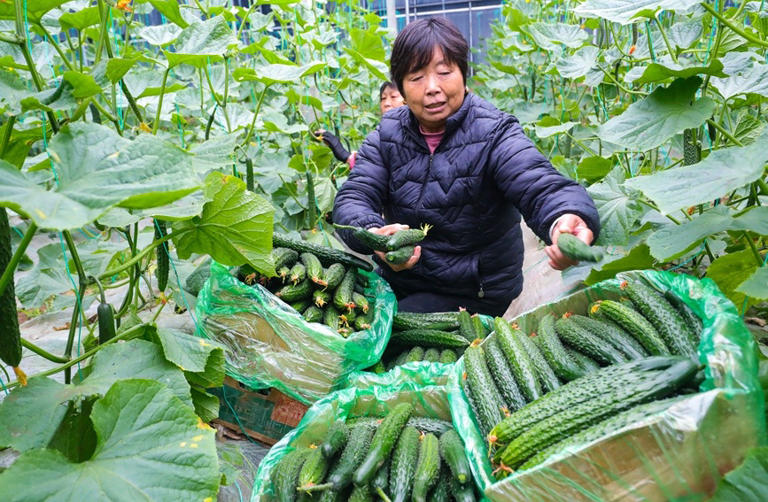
(389, 98)
(452, 160)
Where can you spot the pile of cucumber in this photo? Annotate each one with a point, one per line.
(321, 283)
(438, 337)
(579, 370)
(396, 458)
(399, 247)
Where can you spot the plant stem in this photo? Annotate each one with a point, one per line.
(755, 252)
(16, 258)
(255, 115)
(7, 136)
(724, 132)
(82, 283)
(42, 352)
(142, 254)
(210, 86)
(160, 101)
(618, 84)
(102, 31)
(727, 22)
(666, 41)
(56, 46)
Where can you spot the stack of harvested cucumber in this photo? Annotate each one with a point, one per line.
(399, 247)
(437, 337)
(398, 457)
(321, 283)
(580, 374)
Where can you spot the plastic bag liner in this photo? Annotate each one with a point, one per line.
(270, 345)
(418, 383)
(678, 453)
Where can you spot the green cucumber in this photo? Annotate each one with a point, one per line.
(354, 452)
(432, 355)
(380, 483)
(298, 273)
(427, 467)
(342, 297)
(364, 321)
(374, 242)
(412, 320)
(448, 356)
(333, 275)
(284, 257)
(488, 398)
(301, 305)
(575, 249)
(313, 267)
(287, 474)
(695, 324)
(611, 333)
(442, 491)
(433, 425)
(544, 372)
(361, 302)
(361, 494)
(163, 260)
(462, 492)
(400, 256)
(415, 354)
(403, 465)
(429, 338)
(466, 326)
(502, 374)
(284, 273)
(633, 322)
(331, 318)
(314, 469)
(313, 314)
(481, 425)
(294, 292)
(377, 368)
(586, 363)
(335, 439)
(383, 442)
(452, 452)
(478, 327)
(519, 360)
(326, 255)
(320, 298)
(554, 351)
(407, 238)
(582, 340)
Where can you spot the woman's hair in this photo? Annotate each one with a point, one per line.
(414, 46)
(386, 85)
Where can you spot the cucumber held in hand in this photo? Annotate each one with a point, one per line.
(375, 242)
(575, 249)
(401, 255)
(408, 237)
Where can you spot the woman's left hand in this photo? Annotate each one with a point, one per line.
(567, 224)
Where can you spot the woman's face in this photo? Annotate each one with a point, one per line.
(390, 98)
(435, 92)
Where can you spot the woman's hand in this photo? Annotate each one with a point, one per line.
(389, 230)
(567, 224)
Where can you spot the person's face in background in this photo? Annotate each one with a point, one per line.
(390, 98)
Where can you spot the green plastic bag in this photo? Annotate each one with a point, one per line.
(418, 383)
(679, 453)
(270, 345)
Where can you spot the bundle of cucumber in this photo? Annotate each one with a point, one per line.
(432, 336)
(321, 283)
(397, 457)
(578, 371)
(399, 247)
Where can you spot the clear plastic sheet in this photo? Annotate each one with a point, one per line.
(419, 383)
(270, 345)
(678, 453)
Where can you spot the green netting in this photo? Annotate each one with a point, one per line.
(679, 453)
(270, 345)
(420, 384)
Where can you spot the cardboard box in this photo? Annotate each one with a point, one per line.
(266, 415)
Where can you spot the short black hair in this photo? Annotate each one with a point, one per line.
(386, 85)
(414, 46)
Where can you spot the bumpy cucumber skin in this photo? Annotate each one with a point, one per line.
(337, 437)
(163, 260)
(400, 256)
(482, 386)
(10, 334)
(584, 341)
(383, 442)
(573, 247)
(354, 452)
(544, 371)
(404, 238)
(502, 375)
(287, 474)
(448, 356)
(611, 333)
(554, 352)
(427, 467)
(519, 360)
(326, 255)
(403, 465)
(695, 324)
(314, 469)
(633, 322)
(429, 338)
(333, 275)
(452, 451)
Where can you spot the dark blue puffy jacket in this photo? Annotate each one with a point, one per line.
(483, 175)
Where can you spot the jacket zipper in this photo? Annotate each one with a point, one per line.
(424, 183)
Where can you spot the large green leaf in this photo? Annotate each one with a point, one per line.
(150, 447)
(673, 241)
(202, 42)
(235, 227)
(191, 353)
(666, 68)
(375, 66)
(746, 483)
(81, 19)
(757, 284)
(547, 128)
(638, 258)
(95, 170)
(12, 91)
(722, 171)
(729, 271)
(685, 34)
(625, 11)
(665, 112)
(162, 34)
(30, 415)
(752, 81)
(552, 36)
(83, 86)
(182, 209)
(618, 208)
(35, 9)
(579, 63)
(278, 73)
(118, 67)
(170, 9)
(594, 168)
(367, 43)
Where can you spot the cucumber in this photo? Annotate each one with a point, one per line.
(380, 483)
(407, 238)
(383, 442)
(694, 322)
(348, 318)
(429, 338)
(544, 372)
(427, 467)
(488, 398)
(403, 465)
(452, 452)
(611, 333)
(320, 298)
(377, 368)
(462, 492)
(314, 268)
(298, 273)
(284, 257)
(326, 255)
(519, 360)
(662, 315)
(640, 389)
(313, 314)
(284, 273)
(415, 354)
(294, 292)
(331, 318)
(412, 320)
(364, 321)
(448, 356)
(575, 249)
(361, 302)
(335, 439)
(196, 280)
(374, 242)
(482, 426)
(442, 491)
(584, 389)
(301, 305)
(163, 260)
(478, 327)
(433, 425)
(554, 351)
(582, 340)
(10, 334)
(587, 364)
(466, 326)
(361, 494)
(354, 452)
(502, 374)
(342, 297)
(314, 469)
(333, 275)
(287, 474)
(400, 359)
(633, 322)
(400, 256)
(106, 319)
(432, 355)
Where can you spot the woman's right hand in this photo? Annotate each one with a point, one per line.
(389, 230)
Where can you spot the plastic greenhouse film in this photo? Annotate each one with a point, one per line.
(668, 450)
(270, 345)
(420, 385)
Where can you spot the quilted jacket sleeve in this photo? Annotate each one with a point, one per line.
(360, 200)
(538, 190)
